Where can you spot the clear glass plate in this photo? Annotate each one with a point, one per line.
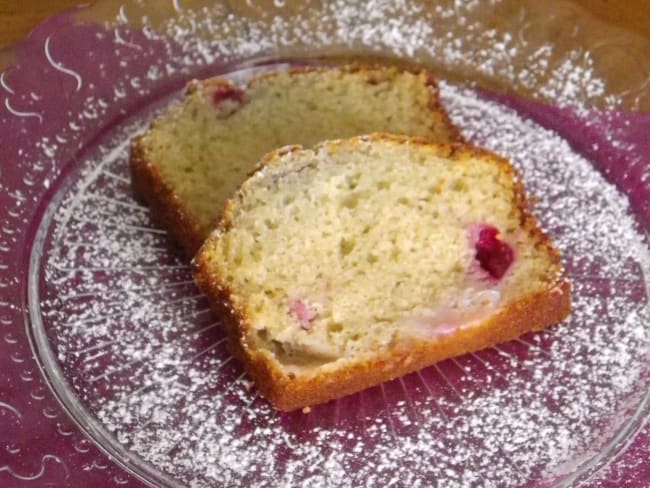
(137, 383)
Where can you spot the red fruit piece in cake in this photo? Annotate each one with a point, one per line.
(303, 312)
(225, 92)
(493, 254)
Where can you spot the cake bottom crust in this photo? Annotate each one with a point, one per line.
(288, 392)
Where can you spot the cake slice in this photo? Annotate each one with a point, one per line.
(343, 266)
(197, 154)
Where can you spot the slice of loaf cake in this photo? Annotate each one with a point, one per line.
(196, 155)
(341, 267)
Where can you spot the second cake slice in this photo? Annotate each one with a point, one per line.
(197, 154)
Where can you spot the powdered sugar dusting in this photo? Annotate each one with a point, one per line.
(144, 354)
(467, 38)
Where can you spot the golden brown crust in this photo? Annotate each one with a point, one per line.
(435, 105)
(168, 209)
(287, 393)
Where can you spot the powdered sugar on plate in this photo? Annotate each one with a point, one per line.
(141, 352)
